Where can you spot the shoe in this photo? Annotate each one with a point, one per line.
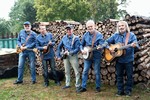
(58, 83)
(128, 94)
(46, 84)
(33, 82)
(65, 87)
(78, 88)
(81, 90)
(98, 90)
(119, 93)
(18, 82)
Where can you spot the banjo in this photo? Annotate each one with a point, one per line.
(89, 51)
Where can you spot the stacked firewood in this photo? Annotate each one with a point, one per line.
(138, 25)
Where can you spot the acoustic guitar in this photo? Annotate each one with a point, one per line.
(118, 50)
(89, 51)
(18, 49)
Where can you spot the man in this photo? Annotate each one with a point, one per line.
(124, 62)
(45, 43)
(71, 45)
(26, 42)
(91, 38)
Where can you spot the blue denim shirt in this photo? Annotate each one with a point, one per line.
(87, 41)
(42, 41)
(118, 38)
(68, 44)
(30, 43)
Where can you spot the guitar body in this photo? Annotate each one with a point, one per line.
(89, 53)
(46, 51)
(18, 50)
(109, 56)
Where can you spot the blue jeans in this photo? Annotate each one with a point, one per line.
(128, 68)
(21, 64)
(45, 63)
(87, 65)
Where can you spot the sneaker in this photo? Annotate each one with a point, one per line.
(18, 82)
(65, 87)
(119, 93)
(82, 90)
(128, 94)
(98, 90)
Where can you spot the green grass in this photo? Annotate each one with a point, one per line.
(28, 91)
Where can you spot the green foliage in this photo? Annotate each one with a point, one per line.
(4, 26)
(77, 10)
(50, 10)
(23, 10)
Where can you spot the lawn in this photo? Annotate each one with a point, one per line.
(28, 91)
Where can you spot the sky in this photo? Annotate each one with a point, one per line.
(135, 7)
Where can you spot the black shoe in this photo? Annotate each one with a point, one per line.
(78, 88)
(33, 82)
(128, 94)
(58, 83)
(65, 87)
(119, 93)
(18, 82)
(82, 90)
(98, 90)
(46, 84)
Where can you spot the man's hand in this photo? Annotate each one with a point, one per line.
(58, 58)
(133, 44)
(23, 48)
(83, 52)
(50, 43)
(45, 47)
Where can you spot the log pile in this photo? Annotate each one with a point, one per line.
(138, 25)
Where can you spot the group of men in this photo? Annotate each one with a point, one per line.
(70, 45)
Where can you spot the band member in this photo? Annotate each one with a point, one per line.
(26, 40)
(124, 62)
(45, 43)
(91, 38)
(71, 45)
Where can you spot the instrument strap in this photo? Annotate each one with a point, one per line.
(127, 38)
(93, 39)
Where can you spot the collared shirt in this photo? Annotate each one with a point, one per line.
(43, 40)
(121, 38)
(70, 43)
(87, 41)
(27, 38)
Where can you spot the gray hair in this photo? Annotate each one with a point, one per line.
(126, 24)
(90, 21)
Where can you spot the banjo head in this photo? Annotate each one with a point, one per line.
(87, 49)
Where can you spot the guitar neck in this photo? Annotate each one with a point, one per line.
(124, 47)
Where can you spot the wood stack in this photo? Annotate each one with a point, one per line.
(138, 25)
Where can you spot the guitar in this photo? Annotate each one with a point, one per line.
(18, 49)
(118, 50)
(89, 53)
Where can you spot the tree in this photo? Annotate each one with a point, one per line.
(4, 26)
(23, 10)
(50, 10)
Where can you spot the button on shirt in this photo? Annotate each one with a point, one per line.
(87, 41)
(120, 38)
(68, 44)
(43, 41)
(27, 38)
